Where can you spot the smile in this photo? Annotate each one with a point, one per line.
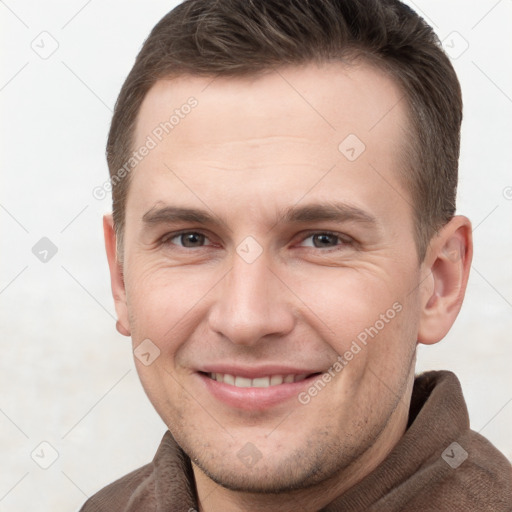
(260, 391)
(259, 382)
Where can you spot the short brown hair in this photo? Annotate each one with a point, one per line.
(244, 37)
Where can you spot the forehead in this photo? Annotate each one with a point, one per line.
(290, 125)
(335, 97)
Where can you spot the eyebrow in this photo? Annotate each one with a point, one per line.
(338, 212)
(316, 212)
(170, 214)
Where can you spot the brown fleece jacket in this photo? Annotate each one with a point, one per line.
(424, 472)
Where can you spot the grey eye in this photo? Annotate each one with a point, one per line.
(189, 239)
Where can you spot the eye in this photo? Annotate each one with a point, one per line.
(325, 239)
(186, 239)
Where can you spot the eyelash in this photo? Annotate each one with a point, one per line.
(343, 239)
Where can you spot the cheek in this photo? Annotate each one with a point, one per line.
(164, 306)
(164, 303)
(350, 303)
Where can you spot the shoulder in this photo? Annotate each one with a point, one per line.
(485, 475)
(121, 495)
(167, 480)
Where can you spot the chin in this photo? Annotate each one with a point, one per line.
(276, 479)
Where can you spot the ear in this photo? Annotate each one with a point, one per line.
(447, 264)
(116, 276)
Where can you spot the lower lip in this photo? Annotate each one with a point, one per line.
(255, 399)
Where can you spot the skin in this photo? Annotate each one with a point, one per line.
(251, 148)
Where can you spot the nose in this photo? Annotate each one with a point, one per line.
(251, 302)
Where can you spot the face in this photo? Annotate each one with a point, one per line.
(269, 259)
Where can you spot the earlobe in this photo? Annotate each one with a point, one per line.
(447, 262)
(116, 276)
(121, 329)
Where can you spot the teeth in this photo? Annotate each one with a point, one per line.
(275, 380)
(242, 382)
(228, 379)
(259, 382)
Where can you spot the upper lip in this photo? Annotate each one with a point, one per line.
(256, 372)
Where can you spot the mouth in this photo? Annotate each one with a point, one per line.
(259, 392)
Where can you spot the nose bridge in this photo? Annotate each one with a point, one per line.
(250, 303)
(249, 282)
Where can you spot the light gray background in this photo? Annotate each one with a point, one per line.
(67, 377)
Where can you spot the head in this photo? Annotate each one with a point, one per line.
(295, 124)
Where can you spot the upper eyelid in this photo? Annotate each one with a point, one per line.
(339, 234)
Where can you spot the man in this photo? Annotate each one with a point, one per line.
(283, 236)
